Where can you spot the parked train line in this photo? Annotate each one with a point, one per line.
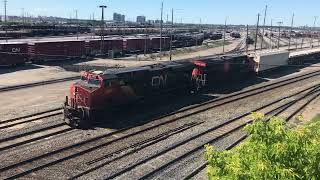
(18, 53)
(64, 154)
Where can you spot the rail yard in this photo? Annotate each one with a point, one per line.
(121, 100)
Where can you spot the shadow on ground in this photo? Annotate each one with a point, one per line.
(5, 69)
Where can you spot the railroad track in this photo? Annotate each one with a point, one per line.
(88, 146)
(239, 48)
(313, 94)
(18, 139)
(4, 124)
(22, 86)
(221, 130)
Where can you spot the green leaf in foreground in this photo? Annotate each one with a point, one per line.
(271, 151)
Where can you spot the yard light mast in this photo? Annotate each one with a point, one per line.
(102, 27)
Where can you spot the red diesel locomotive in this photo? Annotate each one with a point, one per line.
(100, 91)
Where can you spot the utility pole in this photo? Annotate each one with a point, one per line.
(290, 33)
(166, 29)
(145, 44)
(318, 39)
(279, 34)
(202, 32)
(171, 36)
(102, 28)
(302, 41)
(264, 25)
(22, 17)
(257, 31)
(161, 29)
(77, 24)
(271, 32)
(247, 38)
(312, 35)
(5, 19)
(224, 34)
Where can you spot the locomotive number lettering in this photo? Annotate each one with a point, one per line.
(159, 80)
(16, 50)
(202, 78)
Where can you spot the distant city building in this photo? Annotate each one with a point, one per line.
(123, 18)
(119, 17)
(150, 21)
(141, 19)
(158, 21)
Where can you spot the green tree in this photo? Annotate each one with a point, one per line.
(271, 151)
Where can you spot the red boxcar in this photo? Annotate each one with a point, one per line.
(13, 53)
(44, 51)
(155, 43)
(94, 46)
(136, 44)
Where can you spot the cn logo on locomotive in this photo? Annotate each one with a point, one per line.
(159, 80)
(15, 50)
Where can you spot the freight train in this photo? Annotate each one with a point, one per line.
(235, 35)
(188, 40)
(97, 92)
(12, 54)
(216, 36)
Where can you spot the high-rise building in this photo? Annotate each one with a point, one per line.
(123, 18)
(150, 21)
(119, 17)
(158, 21)
(141, 19)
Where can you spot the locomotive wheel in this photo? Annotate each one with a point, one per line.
(79, 122)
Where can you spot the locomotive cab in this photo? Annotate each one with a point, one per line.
(79, 106)
(93, 93)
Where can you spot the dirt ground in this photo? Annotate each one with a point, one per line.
(146, 60)
(311, 111)
(35, 73)
(54, 94)
(31, 73)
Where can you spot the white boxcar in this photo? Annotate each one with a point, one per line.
(268, 60)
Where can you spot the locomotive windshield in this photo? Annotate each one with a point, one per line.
(90, 82)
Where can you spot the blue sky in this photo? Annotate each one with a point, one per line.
(210, 11)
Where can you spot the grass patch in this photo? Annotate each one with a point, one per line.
(271, 151)
(316, 119)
